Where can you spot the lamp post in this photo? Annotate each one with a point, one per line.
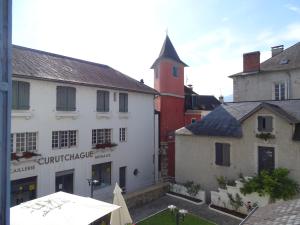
(92, 182)
(179, 214)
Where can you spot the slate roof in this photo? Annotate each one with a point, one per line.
(168, 52)
(194, 101)
(287, 212)
(291, 54)
(226, 120)
(35, 64)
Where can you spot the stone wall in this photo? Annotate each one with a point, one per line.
(142, 197)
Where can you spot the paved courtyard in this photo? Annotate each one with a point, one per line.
(200, 210)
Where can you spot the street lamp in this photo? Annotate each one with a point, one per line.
(92, 183)
(179, 214)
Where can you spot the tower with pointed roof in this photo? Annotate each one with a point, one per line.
(169, 82)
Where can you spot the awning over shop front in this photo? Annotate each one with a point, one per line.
(60, 209)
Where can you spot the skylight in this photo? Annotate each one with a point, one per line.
(284, 61)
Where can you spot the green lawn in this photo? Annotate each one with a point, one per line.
(167, 218)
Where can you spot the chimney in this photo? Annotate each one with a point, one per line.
(190, 86)
(251, 62)
(277, 49)
(221, 99)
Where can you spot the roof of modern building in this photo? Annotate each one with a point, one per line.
(226, 120)
(287, 212)
(168, 52)
(288, 59)
(36, 64)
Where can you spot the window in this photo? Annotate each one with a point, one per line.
(20, 95)
(193, 120)
(101, 136)
(65, 98)
(102, 101)
(123, 135)
(23, 142)
(102, 173)
(222, 154)
(64, 139)
(280, 91)
(123, 102)
(156, 72)
(175, 71)
(265, 123)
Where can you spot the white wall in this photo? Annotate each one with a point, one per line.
(261, 86)
(195, 155)
(137, 152)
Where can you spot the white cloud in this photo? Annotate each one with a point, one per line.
(293, 8)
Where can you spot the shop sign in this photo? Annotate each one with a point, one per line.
(102, 156)
(23, 169)
(64, 158)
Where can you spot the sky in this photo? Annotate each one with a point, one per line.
(208, 35)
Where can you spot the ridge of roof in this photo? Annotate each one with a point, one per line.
(168, 51)
(36, 64)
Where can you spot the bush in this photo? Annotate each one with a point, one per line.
(223, 181)
(275, 183)
(192, 188)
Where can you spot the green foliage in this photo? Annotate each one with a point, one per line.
(236, 202)
(192, 188)
(275, 183)
(223, 181)
(265, 136)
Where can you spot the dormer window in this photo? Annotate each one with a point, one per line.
(265, 124)
(175, 71)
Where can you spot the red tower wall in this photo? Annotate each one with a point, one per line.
(165, 82)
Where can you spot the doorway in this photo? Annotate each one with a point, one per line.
(266, 158)
(23, 190)
(64, 181)
(122, 178)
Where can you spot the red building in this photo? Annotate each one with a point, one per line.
(177, 104)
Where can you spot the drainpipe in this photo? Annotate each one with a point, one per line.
(289, 86)
(5, 108)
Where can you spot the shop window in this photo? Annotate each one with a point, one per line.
(222, 154)
(23, 142)
(102, 173)
(101, 136)
(123, 134)
(64, 139)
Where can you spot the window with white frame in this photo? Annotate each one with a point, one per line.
(123, 134)
(280, 91)
(102, 173)
(23, 142)
(265, 123)
(101, 136)
(64, 139)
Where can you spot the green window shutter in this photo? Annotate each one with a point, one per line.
(269, 123)
(71, 99)
(125, 102)
(219, 154)
(23, 95)
(99, 101)
(61, 98)
(15, 95)
(260, 123)
(121, 102)
(106, 101)
(226, 154)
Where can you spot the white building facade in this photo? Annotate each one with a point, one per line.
(65, 132)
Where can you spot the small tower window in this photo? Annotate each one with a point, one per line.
(175, 71)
